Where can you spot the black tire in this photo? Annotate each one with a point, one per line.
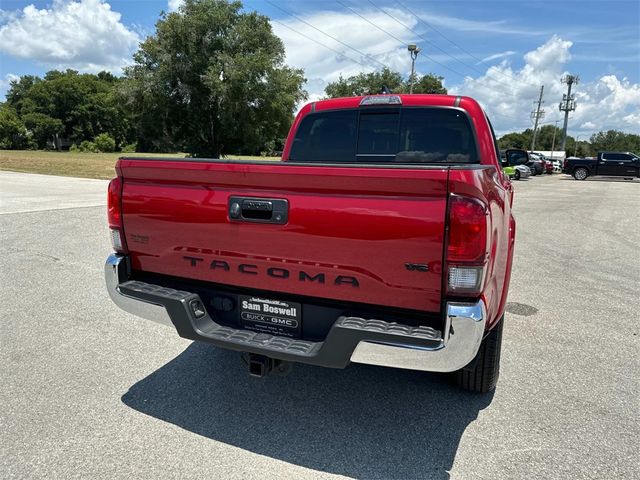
(481, 375)
(517, 175)
(580, 173)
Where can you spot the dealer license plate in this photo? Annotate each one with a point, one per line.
(270, 316)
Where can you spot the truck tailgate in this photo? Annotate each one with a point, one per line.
(356, 234)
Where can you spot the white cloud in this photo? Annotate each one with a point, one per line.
(508, 94)
(85, 35)
(6, 15)
(174, 5)
(466, 25)
(496, 56)
(555, 52)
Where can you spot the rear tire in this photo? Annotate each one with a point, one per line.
(517, 175)
(481, 375)
(580, 173)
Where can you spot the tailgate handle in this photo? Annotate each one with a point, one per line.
(260, 210)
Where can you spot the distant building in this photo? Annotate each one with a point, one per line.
(557, 154)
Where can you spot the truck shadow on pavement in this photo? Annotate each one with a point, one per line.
(362, 422)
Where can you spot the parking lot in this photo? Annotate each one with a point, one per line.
(92, 392)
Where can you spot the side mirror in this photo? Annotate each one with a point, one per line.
(517, 157)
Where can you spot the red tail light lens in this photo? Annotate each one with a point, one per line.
(467, 230)
(114, 214)
(114, 211)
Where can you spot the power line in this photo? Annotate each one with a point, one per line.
(420, 19)
(498, 80)
(325, 33)
(436, 46)
(379, 28)
(423, 38)
(362, 53)
(372, 23)
(320, 43)
(391, 35)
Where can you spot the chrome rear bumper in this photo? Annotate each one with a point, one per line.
(351, 339)
(467, 324)
(115, 273)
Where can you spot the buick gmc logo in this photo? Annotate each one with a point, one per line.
(273, 272)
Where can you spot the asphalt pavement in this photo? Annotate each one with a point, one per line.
(89, 391)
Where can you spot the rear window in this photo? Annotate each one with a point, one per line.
(398, 135)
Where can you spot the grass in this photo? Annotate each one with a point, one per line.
(76, 164)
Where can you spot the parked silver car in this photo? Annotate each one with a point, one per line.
(522, 171)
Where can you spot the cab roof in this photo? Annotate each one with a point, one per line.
(406, 100)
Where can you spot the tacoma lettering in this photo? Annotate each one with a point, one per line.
(275, 272)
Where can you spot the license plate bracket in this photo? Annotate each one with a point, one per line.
(275, 317)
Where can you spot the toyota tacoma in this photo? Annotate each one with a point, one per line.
(384, 236)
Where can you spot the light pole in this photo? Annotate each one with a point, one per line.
(414, 50)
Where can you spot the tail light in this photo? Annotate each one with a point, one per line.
(466, 245)
(114, 214)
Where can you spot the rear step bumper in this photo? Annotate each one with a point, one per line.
(351, 339)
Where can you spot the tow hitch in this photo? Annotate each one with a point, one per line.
(260, 365)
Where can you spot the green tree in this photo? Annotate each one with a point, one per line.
(429, 83)
(614, 140)
(19, 90)
(383, 80)
(366, 83)
(582, 149)
(515, 140)
(570, 144)
(211, 80)
(13, 134)
(42, 127)
(105, 143)
(545, 138)
(85, 104)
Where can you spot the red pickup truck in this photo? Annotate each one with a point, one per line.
(384, 237)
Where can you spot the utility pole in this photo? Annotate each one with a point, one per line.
(414, 50)
(537, 115)
(568, 104)
(553, 142)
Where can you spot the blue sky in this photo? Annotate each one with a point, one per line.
(497, 51)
